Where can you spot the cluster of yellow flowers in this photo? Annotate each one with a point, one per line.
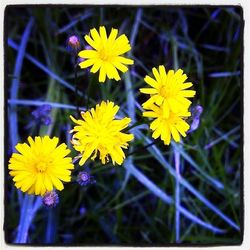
(168, 103)
(41, 166)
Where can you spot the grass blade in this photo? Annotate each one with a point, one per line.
(224, 74)
(40, 103)
(177, 196)
(67, 85)
(14, 137)
(158, 156)
(165, 198)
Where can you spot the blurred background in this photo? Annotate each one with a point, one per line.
(142, 202)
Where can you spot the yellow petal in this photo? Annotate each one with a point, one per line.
(174, 105)
(155, 124)
(162, 72)
(38, 184)
(150, 114)
(186, 85)
(124, 60)
(149, 80)
(56, 182)
(180, 129)
(48, 183)
(188, 93)
(95, 35)
(102, 75)
(96, 66)
(113, 35)
(87, 153)
(179, 73)
(157, 131)
(148, 91)
(156, 75)
(120, 66)
(167, 135)
(87, 63)
(175, 133)
(166, 109)
(88, 54)
(111, 71)
(92, 43)
(103, 34)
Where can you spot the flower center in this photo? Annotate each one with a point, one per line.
(105, 54)
(84, 176)
(41, 166)
(165, 92)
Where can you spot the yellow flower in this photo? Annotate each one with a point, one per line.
(106, 53)
(169, 89)
(100, 131)
(40, 166)
(165, 126)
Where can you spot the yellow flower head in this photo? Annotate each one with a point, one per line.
(40, 166)
(106, 53)
(165, 126)
(100, 131)
(169, 89)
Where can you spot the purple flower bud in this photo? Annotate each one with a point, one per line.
(50, 199)
(73, 43)
(84, 178)
(196, 112)
(41, 114)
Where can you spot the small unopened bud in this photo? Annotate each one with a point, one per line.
(196, 112)
(73, 43)
(41, 114)
(84, 178)
(50, 199)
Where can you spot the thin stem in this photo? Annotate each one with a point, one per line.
(76, 84)
(87, 96)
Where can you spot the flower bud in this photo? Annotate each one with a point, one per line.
(84, 178)
(196, 113)
(41, 114)
(50, 199)
(73, 43)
